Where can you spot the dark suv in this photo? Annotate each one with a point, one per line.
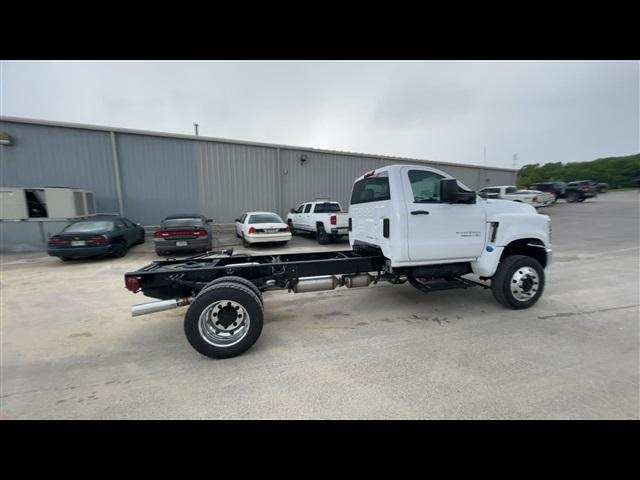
(559, 189)
(585, 188)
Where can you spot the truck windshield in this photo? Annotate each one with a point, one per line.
(89, 227)
(326, 207)
(371, 189)
(265, 218)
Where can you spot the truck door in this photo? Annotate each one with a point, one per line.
(439, 231)
(305, 217)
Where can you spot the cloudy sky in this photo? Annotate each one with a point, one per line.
(447, 111)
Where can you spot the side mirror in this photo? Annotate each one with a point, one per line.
(293, 210)
(450, 192)
(237, 220)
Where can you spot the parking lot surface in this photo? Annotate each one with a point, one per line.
(71, 350)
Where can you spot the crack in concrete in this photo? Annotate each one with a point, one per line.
(570, 314)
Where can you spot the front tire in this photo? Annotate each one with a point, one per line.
(519, 282)
(224, 321)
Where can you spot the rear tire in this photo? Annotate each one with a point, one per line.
(322, 236)
(571, 197)
(581, 199)
(244, 242)
(233, 279)
(218, 336)
(518, 282)
(121, 251)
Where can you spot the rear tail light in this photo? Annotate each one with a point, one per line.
(334, 220)
(285, 229)
(132, 284)
(585, 189)
(58, 241)
(99, 241)
(180, 233)
(252, 230)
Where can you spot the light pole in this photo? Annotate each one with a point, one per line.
(196, 126)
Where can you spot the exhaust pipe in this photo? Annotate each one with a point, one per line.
(315, 284)
(330, 282)
(153, 307)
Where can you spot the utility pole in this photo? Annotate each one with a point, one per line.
(515, 160)
(196, 125)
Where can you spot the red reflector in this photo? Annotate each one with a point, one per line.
(334, 220)
(252, 230)
(132, 284)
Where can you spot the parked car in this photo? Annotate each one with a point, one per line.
(584, 189)
(183, 232)
(262, 227)
(558, 189)
(535, 198)
(97, 236)
(324, 218)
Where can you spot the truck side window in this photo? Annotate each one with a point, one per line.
(425, 186)
(371, 189)
(307, 208)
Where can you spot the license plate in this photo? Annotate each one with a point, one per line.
(78, 243)
(271, 230)
(181, 244)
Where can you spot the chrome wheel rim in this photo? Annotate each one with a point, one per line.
(524, 284)
(224, 323)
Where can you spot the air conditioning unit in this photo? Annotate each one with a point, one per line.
(46, 202)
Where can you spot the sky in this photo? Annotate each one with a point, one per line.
(449, 111)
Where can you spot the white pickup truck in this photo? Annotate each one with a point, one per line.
(322, 217)
(534, 198)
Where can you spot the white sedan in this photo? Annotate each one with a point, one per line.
(262, 227)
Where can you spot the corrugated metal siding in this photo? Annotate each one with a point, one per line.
(159, 177)
(236, 178)
(63, 157)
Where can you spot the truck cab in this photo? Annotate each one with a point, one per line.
(420, 216)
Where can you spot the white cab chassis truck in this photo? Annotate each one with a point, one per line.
(406, 223)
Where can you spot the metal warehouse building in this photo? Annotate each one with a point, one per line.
(146, 175)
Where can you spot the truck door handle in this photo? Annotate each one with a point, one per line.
(419, 212)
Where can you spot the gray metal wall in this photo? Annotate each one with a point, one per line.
(44, 156)
(162, 174)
